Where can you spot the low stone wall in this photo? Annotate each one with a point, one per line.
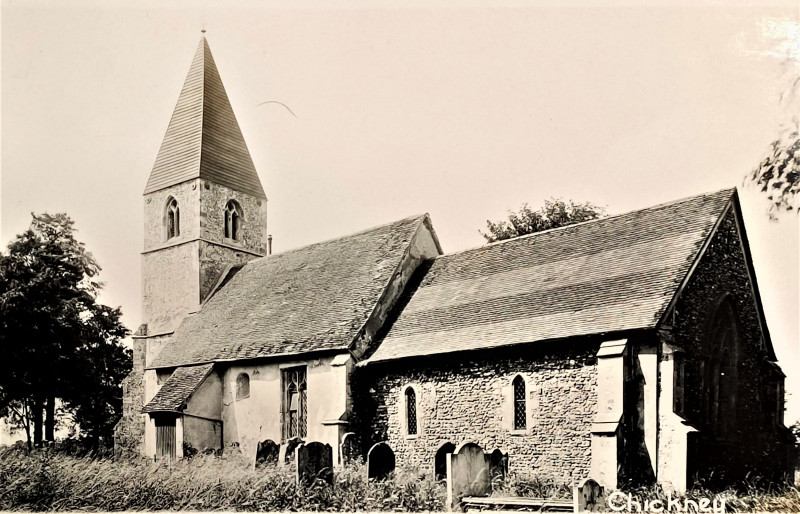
(471, 400)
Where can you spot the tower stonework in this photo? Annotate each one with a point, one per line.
(204, 210)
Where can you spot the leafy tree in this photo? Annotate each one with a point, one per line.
(56, 341)
(555, 213)
(779, 173)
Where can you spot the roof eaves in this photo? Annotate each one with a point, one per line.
(604, 336)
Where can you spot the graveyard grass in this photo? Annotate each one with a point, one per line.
(59, 482)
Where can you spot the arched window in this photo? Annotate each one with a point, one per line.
(411, 411)
(172, 219)
(242, 386)
(520, 416)
(720, 370)
(233, 220)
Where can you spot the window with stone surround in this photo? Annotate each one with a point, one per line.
(520, 408)
(411, 411)
(242, 386)
(233, 220)
(172, 219)
(293, 403)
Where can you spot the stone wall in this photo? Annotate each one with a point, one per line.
(129, 431)
(213, 200)
(756, 442)
(462, 399)
(170, 286)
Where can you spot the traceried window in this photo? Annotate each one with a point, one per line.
(233, 221)
(520, 421)
(172, 219)
(294, 406)
(411, 411)
(242, 386)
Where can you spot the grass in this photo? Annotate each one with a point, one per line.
(46, 481)
(58, 482)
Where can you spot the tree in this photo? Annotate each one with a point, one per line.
(555, 213)
(779, 173)
(56, 341)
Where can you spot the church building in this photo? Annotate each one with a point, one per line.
(632, 349)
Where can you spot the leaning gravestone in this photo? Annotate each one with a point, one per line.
(267, 453)
(467, 474)
(588, 496)
(349, 448)
(289, 449)
(498, 467)
(314, 460)
(380, 461)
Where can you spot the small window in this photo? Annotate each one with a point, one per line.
(233, 221)
(173, 219)
(411, 411)
(519, 404)
(680, 381)
(242, 386)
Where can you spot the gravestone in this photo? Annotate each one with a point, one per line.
(440, 460)
(588, 496)
(314, 460)
(498, 467)
(289, 449)
(467, 474)
(267, 453)
(380, 461)
(349, 450)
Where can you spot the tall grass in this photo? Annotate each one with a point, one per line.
(53, 481)
(45, 481)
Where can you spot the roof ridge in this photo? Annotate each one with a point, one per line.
(607, 218)
(339, 238)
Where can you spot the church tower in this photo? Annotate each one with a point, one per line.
(204, 210)
(204, 207)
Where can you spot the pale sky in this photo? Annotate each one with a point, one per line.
(461, 112)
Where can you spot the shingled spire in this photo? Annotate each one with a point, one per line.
(203, 139)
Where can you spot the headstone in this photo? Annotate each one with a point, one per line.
(467, 474)
(440, 460)
(267, 453)
(498, 467)
(349, 450)
(588, 496)
(288, 449)
(314, 460)
(380, 461)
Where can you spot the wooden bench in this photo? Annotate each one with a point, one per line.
(516, 504)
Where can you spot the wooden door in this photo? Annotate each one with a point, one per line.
(165, 438)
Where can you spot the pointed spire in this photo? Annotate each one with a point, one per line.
(203, 139)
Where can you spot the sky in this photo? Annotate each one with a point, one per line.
(461, 110)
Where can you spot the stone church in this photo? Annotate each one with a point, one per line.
(630, 349)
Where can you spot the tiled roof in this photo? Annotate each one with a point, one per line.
(612, 274)
(203, 139)
(313, 298)
(177, 389)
